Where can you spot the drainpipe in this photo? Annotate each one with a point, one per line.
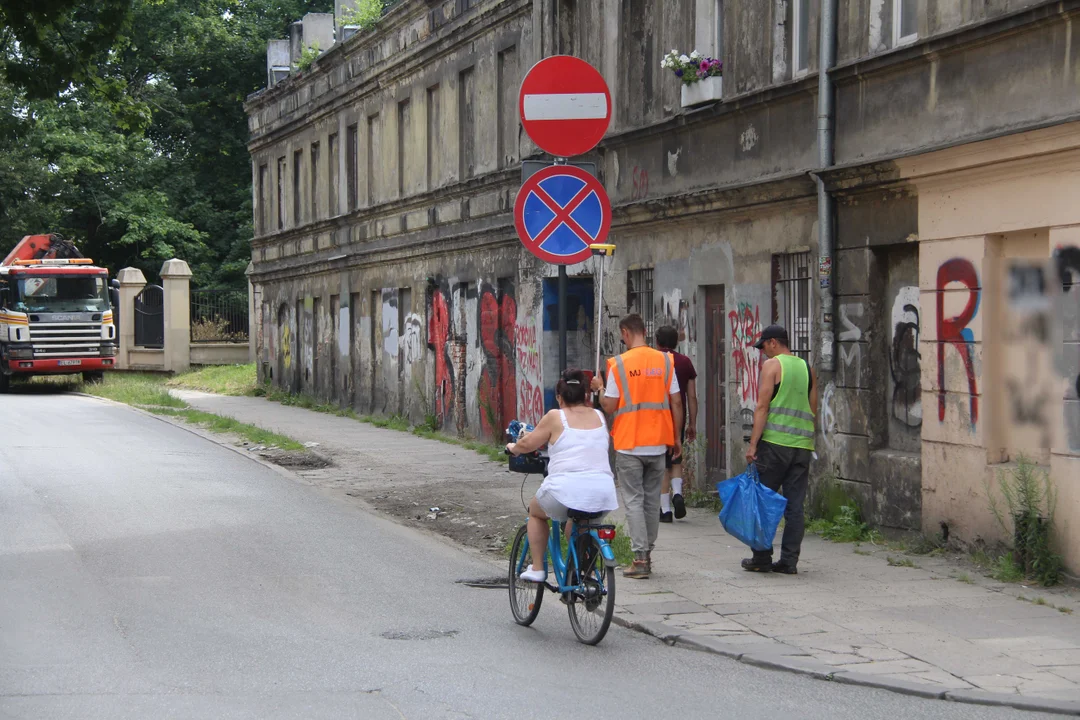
(826, 203)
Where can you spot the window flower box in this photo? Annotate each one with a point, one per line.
(702, 77)
(710, 89)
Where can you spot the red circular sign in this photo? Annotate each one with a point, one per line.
(565, 105)
(559, 212)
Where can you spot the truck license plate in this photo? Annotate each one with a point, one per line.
(62, 363)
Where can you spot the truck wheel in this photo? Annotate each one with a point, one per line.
(5, 382)
(93, 378)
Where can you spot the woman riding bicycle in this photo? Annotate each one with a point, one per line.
(579, 472)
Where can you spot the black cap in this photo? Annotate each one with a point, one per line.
(773, 332)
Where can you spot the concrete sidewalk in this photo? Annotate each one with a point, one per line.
(849, 617)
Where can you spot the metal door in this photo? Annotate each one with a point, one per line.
(150, 317)
(715, 385)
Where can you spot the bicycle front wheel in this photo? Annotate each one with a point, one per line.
(525, 597)
(592, 605)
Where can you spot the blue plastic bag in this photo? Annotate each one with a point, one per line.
(751, 511)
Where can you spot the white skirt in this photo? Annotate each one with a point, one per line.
(587, 492)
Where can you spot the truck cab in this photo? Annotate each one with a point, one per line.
(55, 318)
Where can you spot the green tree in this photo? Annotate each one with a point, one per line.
(147, 157)
(48, 44)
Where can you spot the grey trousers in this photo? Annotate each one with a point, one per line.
(787, 471)
(640, 477)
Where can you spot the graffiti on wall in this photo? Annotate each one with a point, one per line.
(904, 358)
(954, 331)
(412, 339)
(745, 324)
(829, 424)
(530, 398)
(286, 339)
(850, 345)
(439, 343)
(497, 390)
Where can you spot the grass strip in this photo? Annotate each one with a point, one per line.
(233, 380)
(150, 393)
(222, 424)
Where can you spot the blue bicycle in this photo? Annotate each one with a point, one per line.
(584, 571)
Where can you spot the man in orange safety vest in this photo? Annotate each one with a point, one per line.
(642, 396)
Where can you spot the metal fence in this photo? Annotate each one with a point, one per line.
(219, 316)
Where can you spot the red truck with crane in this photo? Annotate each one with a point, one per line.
(56, 312)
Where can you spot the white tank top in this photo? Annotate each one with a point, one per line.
(580, 451)
(579, 472)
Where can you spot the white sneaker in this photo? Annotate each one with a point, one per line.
(530, 575)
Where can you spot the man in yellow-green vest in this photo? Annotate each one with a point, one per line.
(783, 442)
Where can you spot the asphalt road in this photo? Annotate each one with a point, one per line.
(146, 572)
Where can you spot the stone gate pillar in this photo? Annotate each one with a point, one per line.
(176, 282)
(132, 283)
(254, 316)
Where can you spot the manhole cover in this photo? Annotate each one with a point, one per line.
(418, 634)
(492, 583)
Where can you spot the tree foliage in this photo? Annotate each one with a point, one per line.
(144, 157)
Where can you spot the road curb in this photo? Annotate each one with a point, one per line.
(804, 664)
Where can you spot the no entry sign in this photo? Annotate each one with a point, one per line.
(565, 105)
(559, 212)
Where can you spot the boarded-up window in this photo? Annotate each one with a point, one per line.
(332, 161)
(315, 181)
(297, 192)
(264, 200)
(467, 123)
(373, 145)
(281, 193)
(509, 81)
(403, 145)
(351, 150)
(433, 136)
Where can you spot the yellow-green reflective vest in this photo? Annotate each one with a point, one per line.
(790, 422)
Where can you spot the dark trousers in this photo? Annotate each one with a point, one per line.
(787, 471)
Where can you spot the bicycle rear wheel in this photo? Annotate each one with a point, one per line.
(525, 597)
(592, 605)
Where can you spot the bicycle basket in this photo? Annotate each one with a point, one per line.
(529, 464)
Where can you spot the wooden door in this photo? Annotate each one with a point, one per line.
(715, 385)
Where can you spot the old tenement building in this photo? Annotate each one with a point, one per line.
(388, 276)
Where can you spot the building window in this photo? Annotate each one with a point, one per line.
(351, 150)
(332, 161)
(800, 37)
(297, 194)
(905, 22)
(791, 299)
(639, 298)
(315, 181)
(281, 193)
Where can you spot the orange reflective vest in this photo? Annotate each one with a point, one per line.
(643, 418)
